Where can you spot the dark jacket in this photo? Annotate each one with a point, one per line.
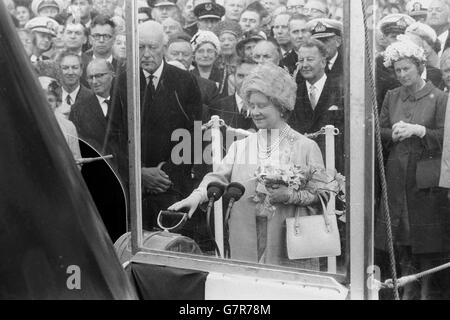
(217, 76)
(338, 67)
(175, 106)
(210, 94)
(425, 224)
(290, 62)
(227, 109)
(385, 79)
(91, 123)
(306, 120)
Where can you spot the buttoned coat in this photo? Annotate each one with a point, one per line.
(427, 210)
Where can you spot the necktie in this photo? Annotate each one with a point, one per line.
(150, 89)
(69, 100)
(108, 104)
(313, 96)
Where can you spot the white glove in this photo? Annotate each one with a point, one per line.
(402, 131)
(191, 203)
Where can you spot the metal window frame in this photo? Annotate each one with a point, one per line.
(359, 174)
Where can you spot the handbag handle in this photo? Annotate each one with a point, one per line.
(183, 219)
(326, 219)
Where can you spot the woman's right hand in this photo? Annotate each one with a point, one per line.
(191, 203)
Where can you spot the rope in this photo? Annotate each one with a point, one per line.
(389, 284)
(380, 157)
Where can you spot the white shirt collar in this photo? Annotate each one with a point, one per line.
(239, 102)
(156, 75)
(443, 39)
(333, 61)
(103, 104)
(73, 95)
(319, 85)
(424, 74)
(64, 108)
(109, 59)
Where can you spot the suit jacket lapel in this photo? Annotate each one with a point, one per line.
(97, 114)
(322, 103)
(160, 103)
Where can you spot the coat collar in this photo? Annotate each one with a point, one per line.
(425, 91)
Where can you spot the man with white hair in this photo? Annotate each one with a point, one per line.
(281, 32)
(439, 19)
(267, 51)
(170, 101)
(316, 9)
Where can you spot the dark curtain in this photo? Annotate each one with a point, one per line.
(48, 221)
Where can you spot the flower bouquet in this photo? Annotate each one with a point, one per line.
(316, 180)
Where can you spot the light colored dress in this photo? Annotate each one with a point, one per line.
(246, 225)
(70, 133)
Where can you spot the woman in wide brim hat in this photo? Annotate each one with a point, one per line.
(254, 234)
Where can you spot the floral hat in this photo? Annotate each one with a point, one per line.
(404, 48)
(204, 36)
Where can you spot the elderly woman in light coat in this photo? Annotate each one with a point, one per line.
(256, 236)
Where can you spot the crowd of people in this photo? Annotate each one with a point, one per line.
(260, 66)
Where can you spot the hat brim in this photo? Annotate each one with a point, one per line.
(210, 16)
(48, 6)
(323, 35)
(240, 45)
(44, 30)
(164, 4)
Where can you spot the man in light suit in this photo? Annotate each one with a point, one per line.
(319, 99)
(170, 100)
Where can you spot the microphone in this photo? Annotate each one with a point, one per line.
(215, 191)
(235, 191)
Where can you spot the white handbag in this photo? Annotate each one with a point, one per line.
(313, 236)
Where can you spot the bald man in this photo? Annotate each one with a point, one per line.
(170, 101)
(267, 52)
(91, 117)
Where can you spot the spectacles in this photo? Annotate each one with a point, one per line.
(97, 76)
(292, 8)
(312, 10)
(98, 36)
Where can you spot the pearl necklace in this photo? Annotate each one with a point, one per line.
(267, 153)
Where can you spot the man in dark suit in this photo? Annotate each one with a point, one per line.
(91, 118)
(319, 99)
(73, 91)
(299, 33)
(439, 19)
(91, 114)
(180, 49)
(231, 109)
(170, 101)
(329, 32)
(102, 37)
